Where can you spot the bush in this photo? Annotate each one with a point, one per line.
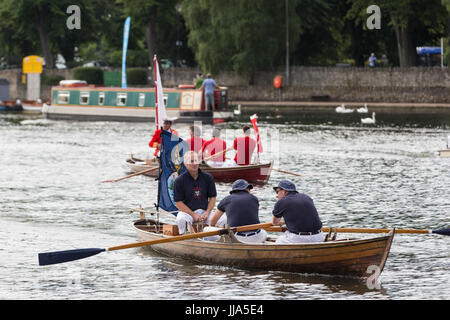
(51, 80)
(92, 75)
(137, 76)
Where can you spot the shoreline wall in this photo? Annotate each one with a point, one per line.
(416, 84)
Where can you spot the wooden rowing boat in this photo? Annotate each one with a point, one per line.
(348, 257)
(444, 153)
(254, 173)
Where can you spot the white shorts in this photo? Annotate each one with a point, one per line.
(184, 218)
(289, 237)
(259, 237)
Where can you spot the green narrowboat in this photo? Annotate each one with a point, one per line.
(79, 101)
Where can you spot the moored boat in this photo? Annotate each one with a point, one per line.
(357, 258)
(33, 106)
(11, 105)
(78, 101)
(253, 173)
(444, 153)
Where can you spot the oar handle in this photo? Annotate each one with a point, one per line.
(132, 175)
(218, 154)
(288, 172)
(190, 236)
(358, 230)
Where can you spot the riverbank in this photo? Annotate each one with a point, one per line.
(327, 105)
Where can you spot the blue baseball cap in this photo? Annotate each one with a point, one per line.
(285, 185)
(239, 185)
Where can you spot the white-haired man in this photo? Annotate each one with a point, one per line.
(194, 194)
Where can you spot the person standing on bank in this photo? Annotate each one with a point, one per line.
(241, 209)
(299, 213)
(372, 60)
(194, 194)
(209, 85)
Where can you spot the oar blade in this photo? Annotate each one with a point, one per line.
(445, 231)
(47, 258)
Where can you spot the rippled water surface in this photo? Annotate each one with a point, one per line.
(52, 198)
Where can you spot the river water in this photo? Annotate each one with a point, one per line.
(384, 175)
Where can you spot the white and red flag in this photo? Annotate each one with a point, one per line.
(161, 114)
(254, 120)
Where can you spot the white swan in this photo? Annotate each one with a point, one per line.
(363, 109)
(369, 120)
(341, 109)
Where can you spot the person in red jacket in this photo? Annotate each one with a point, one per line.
(156, 139)
(214, 146)
(244, 146)
(195, 142)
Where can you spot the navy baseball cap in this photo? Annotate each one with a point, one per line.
(240, 184)
(285, 185)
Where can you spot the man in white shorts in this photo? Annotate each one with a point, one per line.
(194, 194)
(299, 214)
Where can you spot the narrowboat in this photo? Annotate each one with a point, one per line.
(80, 101)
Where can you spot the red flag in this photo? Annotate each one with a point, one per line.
(254, 119)
(159, 96)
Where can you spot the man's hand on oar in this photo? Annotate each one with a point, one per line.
(48, 258)
(133, 175)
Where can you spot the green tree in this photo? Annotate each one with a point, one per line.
(244, 36)
(415, 23)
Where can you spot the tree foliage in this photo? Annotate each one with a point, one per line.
(234, 35)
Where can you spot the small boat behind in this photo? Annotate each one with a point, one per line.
(354, 258)
(32, 106)
(11, 105)
(253, 173)
(444, 153)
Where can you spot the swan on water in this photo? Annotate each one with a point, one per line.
(363, 109)
(342, 109)
(369, 120)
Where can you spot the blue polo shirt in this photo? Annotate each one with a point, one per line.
(299, 212)
(194, 193)
(209, 85)
(241, 208)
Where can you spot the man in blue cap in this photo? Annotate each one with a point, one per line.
(299, 214)
(241, 208)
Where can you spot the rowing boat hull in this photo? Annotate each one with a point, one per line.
(350, 258)
(257, 173)
(444, 153)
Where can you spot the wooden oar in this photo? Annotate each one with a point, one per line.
(288, 172)
(444, 231)
(48, 258)
(218, 154)
(132, 175)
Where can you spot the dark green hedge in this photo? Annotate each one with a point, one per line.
(93, 75)
(137, 76)
(51, 80)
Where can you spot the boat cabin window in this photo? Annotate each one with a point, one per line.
(101, 98)
(84, 97)
(141, 99)
(121, 99)
(63, 97)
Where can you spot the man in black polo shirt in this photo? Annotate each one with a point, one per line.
(241, 208)
(299, 213)
(194, 194)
